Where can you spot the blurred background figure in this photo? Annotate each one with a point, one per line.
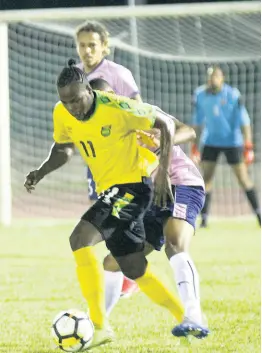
(222, 125)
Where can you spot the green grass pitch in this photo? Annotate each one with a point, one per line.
(37, 276)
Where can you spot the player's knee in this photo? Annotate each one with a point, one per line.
(84, 234)
(173, 248)
(135, 268)
(134, 272)
(110, 264)
(208, 177)
(75, 240)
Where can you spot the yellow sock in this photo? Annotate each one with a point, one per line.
(91, 279)
(158, 293)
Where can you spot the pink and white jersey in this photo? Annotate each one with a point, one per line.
(183, 171)
(117, 76)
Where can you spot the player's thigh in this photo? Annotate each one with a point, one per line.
(209, 158)
(241, 172)
(235, 159)
(110, 264)
(148, 248)
(180, 226)
(154, 220)
(89, 231)
(208, 171)
(178, 234)
(234, 155)
(84, 234)
(127, 242)
(132, 265)
(118, 214)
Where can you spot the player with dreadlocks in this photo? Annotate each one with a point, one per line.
(102, 126)
(173, 225)
(92, 44)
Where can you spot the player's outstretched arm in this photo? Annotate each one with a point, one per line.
(166, 125)
(59, 154)
(184, 133)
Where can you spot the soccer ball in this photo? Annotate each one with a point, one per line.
(72, 331)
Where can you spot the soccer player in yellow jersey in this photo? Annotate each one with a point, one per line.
(102, 126)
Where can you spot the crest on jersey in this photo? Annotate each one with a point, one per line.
(223, 101)
(106, 130)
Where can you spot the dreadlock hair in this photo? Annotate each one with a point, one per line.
(70, 74)
(95, 27)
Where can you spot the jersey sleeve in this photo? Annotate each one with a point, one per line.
(241, 112)
(60, 135)
(198, 116)
(138, 116)
(126, 84)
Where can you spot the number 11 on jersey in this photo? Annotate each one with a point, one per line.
(88, 147)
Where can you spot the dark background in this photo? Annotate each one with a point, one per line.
(38, 4)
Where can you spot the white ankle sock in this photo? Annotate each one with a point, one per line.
(113, 287)
(187, 281)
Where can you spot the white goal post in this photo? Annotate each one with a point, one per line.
(106, 12)
(55, 20)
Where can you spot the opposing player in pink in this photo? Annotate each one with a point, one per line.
(92, 46)
(173, 225)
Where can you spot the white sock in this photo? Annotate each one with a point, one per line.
(187, 281)
(113, 287)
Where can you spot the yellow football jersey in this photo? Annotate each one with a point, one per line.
(107, 140)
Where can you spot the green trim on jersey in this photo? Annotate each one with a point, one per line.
(143, 110)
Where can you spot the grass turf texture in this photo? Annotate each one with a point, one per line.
(37, 276)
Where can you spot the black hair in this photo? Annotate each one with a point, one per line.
(100, 84)
(70, 74)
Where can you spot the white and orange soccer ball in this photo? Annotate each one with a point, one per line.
(72, 331)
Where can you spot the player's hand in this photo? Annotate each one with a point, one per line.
(195, 154)
(163, 188)
(248, 153)
(32, 179)
(147, 139)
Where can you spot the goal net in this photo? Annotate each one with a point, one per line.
(168, 55)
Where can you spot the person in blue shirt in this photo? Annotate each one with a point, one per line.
(222, 125)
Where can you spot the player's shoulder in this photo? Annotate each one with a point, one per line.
(58, 106)
(59, 110)
(111, 99)
(200, 90)
(116, 68)
(232, 91)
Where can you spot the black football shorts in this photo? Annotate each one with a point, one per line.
(118, 216)
(234, 155)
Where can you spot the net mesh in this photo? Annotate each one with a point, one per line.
(169, 63)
